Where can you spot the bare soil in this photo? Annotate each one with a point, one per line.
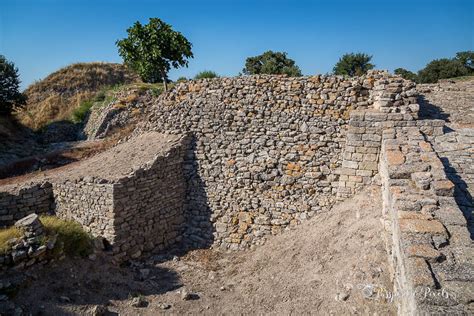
(335, 263)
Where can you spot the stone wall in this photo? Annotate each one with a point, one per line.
(267, 149)
(431, 249)
(149, 206)
(142, 211)
(17, 202)
(132, 195)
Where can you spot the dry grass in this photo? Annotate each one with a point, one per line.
(59, 94)
(71, 238)
(7, 234)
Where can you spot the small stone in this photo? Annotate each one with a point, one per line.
(99, 310)
(139, 301)
(342, 296)
(164, 306)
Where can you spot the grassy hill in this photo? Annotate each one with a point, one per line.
(57, 96)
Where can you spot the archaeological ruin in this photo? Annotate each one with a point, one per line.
(226, 163)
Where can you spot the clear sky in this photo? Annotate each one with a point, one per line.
(40, 36)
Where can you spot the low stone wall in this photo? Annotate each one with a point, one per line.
(88, 202)
(430, 246)
(26, 199)
(149, 206)
(132, 195)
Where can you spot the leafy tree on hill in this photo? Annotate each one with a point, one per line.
(152, 49)
(353, 64)
(406, 74)
(9, 87)
(467, 59)
(206, 74)
(272, 63)
(442, 69)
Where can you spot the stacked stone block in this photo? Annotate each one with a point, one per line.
(17, 202)
(431, 248)
(267, 149)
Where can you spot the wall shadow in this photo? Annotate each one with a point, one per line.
(461, 194)
(430, 111)
(199, 231)
(84, 283)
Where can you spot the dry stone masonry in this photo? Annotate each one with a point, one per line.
(431, 247)
(132, 195)
(267, 149)
(248, 157)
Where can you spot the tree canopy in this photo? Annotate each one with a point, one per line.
(442, 69)
(152, 49)
(9, 86)
(353, 64)
(406, 74)
(272, 63)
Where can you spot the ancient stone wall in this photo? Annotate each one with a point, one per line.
(267, 149)
(430, 246)
(132, 195)
(149, 206)
(17, 202)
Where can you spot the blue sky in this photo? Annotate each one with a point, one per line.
(41, 36)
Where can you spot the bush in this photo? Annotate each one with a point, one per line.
(181, 79)
(353, 64)
(206, 74)
(80, 113)
(406, 74)
(71, 238)
(6, 234)
(271, 63)
(442, 69)
(10, 95)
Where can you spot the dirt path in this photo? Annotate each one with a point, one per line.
(325, 266)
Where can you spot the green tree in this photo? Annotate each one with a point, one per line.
(353, 64)
(206, 74)
(273, 63)
(152, 49)
(9, 87)
(442, 69)
(467, 59)
(406, 74)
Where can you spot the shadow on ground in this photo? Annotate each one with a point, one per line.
(81, 284)
(431, 111)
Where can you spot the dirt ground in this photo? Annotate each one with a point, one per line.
(335, 264)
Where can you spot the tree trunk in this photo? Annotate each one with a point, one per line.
(165, 83)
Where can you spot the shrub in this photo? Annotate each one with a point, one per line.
(6, 234)
(406, 74)
(181, 79)
(271, 63)
(206, 74)
(79, 114)
(353, 64)
(71, 238)
(442, 69)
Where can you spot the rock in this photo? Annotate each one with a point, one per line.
(187, 296)
(139, 301)
(64, 299)
(342, 296)
(99, 310)
(164, 306)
